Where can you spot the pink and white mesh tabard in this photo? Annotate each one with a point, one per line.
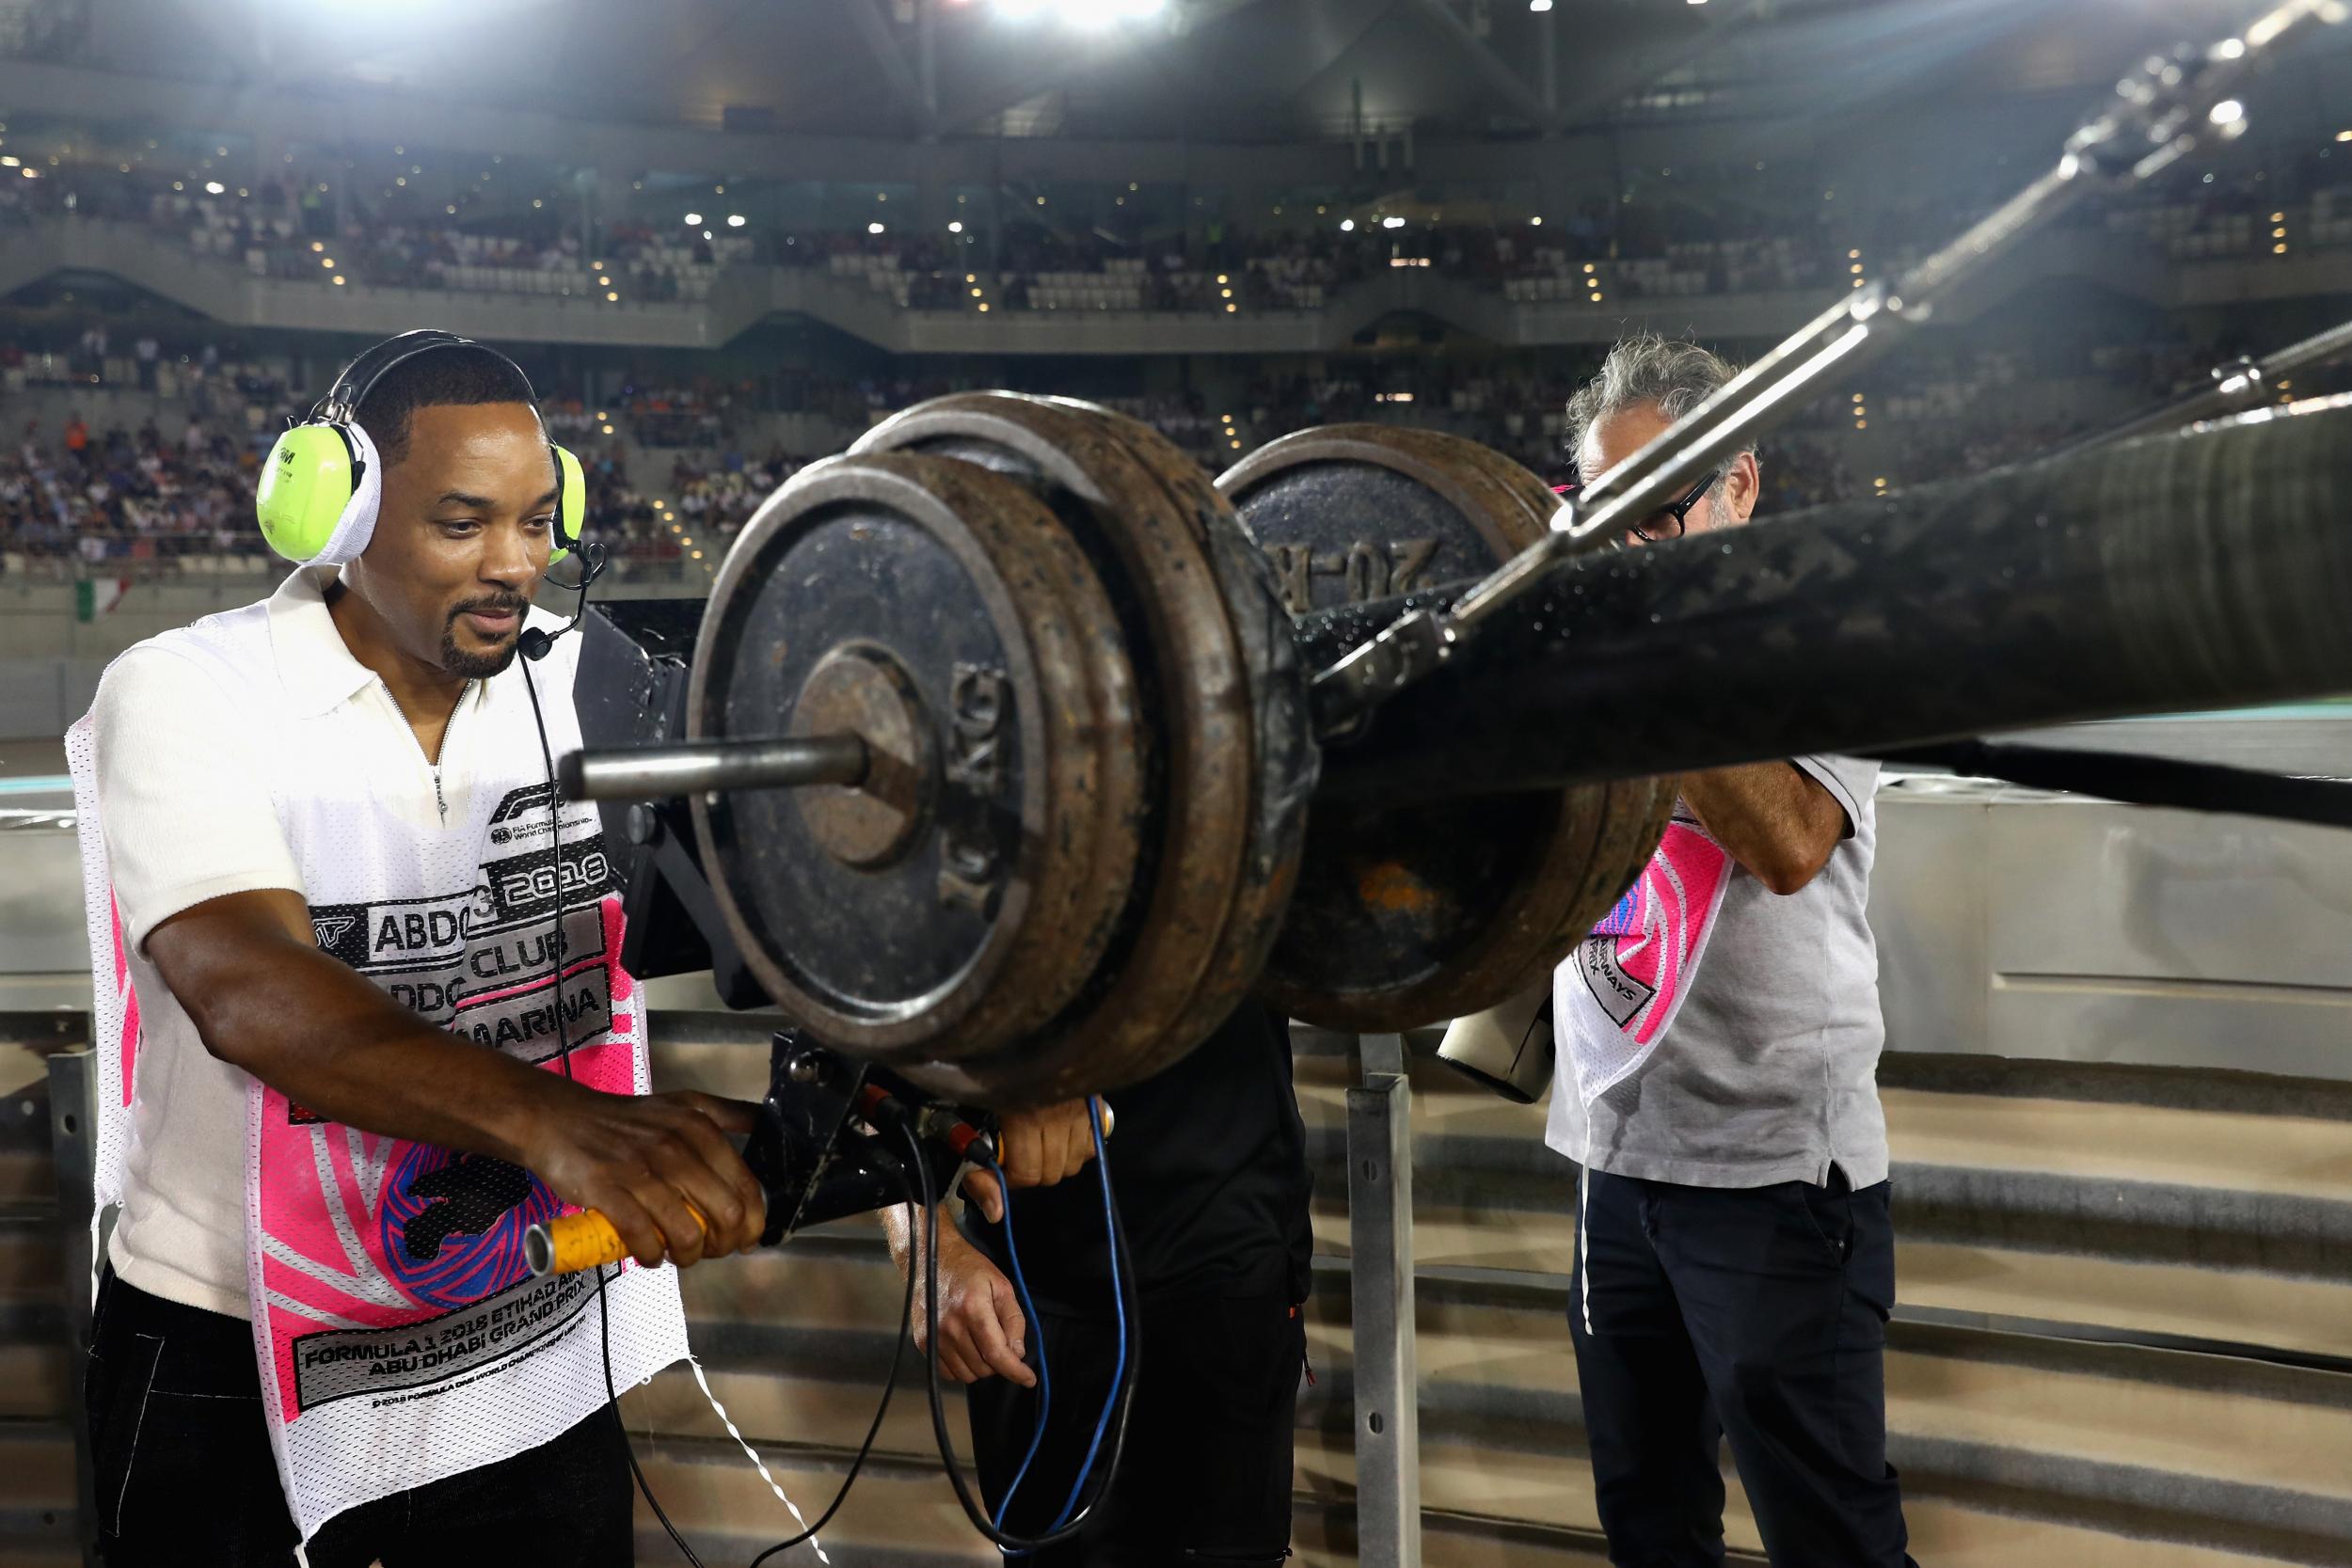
(401, 1337)
(1616, 995)
(114, 1003)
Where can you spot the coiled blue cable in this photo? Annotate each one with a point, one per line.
(1119, 1371)
(1037, 1338)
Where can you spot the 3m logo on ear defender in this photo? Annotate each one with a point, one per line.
(285, 457)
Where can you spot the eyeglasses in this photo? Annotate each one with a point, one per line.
(1667, 521)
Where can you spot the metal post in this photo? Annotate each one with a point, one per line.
(1380, 1284)
(73, 1141)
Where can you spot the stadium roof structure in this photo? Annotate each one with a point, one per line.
(1197, 70)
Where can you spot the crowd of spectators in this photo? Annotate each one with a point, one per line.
(76, 495)
(1695, 241)
(294, 229)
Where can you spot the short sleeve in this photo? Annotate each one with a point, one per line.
(1850, 781)
(181, 792)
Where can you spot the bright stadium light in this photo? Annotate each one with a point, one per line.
(1103, 13)
(214, 187)
(693, 220)
(955, 227)
(1391, 223)
(1083, 14)
(873, 229)
(1347, 226)
(736, 220)
(2228, 112)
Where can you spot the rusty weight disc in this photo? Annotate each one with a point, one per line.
(964, 892)
(1408, 915)
(1286, 760)
(1224, 735)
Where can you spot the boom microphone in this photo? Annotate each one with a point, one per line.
(536, 641)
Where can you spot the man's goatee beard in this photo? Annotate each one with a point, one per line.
(473, 666)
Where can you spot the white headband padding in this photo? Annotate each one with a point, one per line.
(357, 525)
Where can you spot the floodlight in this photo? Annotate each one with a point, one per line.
(736, 220)
(873, 229)
(693, 220)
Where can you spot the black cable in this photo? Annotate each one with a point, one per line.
(2144, 781)
(972, 1510)
(897, 1354)
(564, 1054)
(1130, 1303)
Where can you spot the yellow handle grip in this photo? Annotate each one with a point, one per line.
(572, 1243)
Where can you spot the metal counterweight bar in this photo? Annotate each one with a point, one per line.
(2241, 384)
(2209, 569)
(2165, 107)
(695, 767)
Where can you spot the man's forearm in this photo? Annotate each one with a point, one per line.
(899, 1228)
(335, 1044)
(263, 998)
(1774, 818)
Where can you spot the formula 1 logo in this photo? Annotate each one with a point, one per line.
(517, 802)
(505, 824)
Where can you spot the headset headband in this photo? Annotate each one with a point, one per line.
(341, 404)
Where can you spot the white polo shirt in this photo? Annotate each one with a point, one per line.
(188, 774)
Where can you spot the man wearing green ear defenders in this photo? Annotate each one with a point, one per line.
(358, 971)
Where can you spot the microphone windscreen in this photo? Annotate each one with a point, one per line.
(1507, 1048)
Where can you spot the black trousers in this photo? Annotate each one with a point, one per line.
(185, 1478)
(1756, 1314)
(1206, 1476)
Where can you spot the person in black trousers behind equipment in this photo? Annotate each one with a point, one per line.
(1209, 1171)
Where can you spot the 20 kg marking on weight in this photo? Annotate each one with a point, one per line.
(1369, 568)
(978, 698)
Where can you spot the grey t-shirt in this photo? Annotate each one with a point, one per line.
(1768, 1073)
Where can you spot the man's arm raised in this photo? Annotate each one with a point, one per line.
(1773, 816)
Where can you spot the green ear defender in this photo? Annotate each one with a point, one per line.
(571, 502)
(323, 483)
(305, 486)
